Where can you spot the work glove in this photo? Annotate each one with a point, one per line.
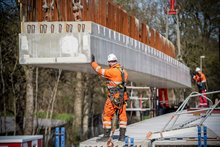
(199, 84)
(193, 76)
(92, 58)
(126, 103)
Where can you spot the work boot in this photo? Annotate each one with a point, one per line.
(122, 134)
(105, 137)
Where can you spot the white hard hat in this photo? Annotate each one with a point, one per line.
(197, 69)
(112, 57)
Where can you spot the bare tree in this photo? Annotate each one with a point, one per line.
(54, 97)
(3, 91)
(50, 109)
(29, 100)
(79, 95)
(36, 101)
(87, 104)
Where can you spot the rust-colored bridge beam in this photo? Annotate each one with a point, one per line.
(103, 12)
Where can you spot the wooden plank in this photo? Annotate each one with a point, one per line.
(132, 27)
(49, 12)
(28, 10)
(60, 5)
(147, 35)
(114, 17)
(169, 48)
(39, 10)
(31, 11)
(166, 47)
(173, 50)
(109, 16)
(103, 12)
(65, 10)
(96, 10)
(160, 42)
(157, 41)
(136, 29)
(154, 42)
(163, 44)
(152, 35)
(125, 25)
(69, 10)
(84, 10)
(25, 10)
(60, 17)
(55, 11)
(143, 33)
(118, 21)
(34, 10)
(62, 10)
(21, 7)
(91, 13)
(122, 20)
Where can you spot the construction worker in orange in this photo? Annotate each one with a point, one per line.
(201, 84)
(116, 78)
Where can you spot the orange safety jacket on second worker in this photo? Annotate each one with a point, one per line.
(200, 80)
(113, 76)
(201, 83)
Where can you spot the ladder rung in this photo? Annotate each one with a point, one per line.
(138, 98)
(137, 109)
(133, 87)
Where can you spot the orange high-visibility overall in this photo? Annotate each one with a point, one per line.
(114, 78)
(200, 78)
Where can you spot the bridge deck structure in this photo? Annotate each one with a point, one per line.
(69, 45)
(63, 34)
(187, 136)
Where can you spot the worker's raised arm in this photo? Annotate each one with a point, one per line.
(102, 72)
(97, 68)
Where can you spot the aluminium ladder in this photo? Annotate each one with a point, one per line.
(139, 103)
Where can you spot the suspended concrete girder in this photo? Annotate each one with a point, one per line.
(69, 45)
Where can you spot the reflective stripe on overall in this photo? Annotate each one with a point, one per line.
(113, 75)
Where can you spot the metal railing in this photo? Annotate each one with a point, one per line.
(181, 111)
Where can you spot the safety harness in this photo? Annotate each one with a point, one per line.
(121, 88)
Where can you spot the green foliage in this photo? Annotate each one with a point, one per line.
(59, 116)
(7, 114)
(199, 26)
(146, 117)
